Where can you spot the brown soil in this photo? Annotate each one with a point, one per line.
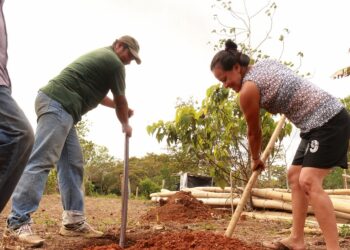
(192, 240)
(181, 207)
(184, 241)
(108, 247)
(204, 232)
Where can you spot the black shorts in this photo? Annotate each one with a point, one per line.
(326, 146)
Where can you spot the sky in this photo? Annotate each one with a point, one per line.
(46, 35)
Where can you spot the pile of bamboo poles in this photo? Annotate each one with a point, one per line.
(267, 198)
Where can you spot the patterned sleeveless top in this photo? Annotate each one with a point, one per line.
(283, 91)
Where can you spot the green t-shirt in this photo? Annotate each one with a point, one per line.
(83, 84)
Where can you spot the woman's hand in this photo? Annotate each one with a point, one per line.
(257, 164)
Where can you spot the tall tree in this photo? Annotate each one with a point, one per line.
(215, 134)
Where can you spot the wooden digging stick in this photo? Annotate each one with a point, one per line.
(253, 178)
(125, 193)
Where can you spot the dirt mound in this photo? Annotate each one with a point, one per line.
(181, 207)
(191, 240)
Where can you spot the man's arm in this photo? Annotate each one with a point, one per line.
(122, 111)
(108, 102)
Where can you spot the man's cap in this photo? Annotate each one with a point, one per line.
(133, 46)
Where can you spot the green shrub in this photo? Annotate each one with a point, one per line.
(344, 231)
(334, 179)
(90, 188)
(147, 186)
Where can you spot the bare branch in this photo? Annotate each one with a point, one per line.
(260, 10)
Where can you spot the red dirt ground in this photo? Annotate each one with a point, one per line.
(192, 240)
(183, 208)
(185, 241)
(104, 214)
(108, 247)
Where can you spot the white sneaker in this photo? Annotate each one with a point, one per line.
(24, 234)
(85, 230)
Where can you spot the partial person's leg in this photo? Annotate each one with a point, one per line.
(70, 175)
(16, 141)
(311, 180)
(299, 212)
(299, 204)
(51, 133)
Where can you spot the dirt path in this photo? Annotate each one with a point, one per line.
(104, 214)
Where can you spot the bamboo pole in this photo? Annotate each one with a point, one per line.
(342, 215)
(340, 205)
(339, 196)
(284, 190)
(214, 189)
(269, 194)
(163, 194)
(253, 178)
(338, 191)
(263, 193)
(263, 203)
(260, 203)
(278, 216)
(196, 194)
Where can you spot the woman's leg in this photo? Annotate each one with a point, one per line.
(311, 180)
(299, 210)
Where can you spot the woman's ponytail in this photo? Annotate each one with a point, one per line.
(229, 57)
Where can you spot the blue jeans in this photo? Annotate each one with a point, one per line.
(16, 141)
(56, 144)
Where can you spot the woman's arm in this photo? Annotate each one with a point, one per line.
(250, 105)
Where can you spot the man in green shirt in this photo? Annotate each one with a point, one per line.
(80, 87)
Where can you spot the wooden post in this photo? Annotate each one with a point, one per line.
(163, 184)
(253, 178)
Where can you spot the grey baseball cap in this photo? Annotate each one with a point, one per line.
(133, 46)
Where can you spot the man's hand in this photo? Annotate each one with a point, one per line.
(257, 164)
(127, 130)
(130, 112)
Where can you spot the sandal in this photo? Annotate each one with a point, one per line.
(277, 245)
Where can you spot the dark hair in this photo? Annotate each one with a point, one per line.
(228, 57)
